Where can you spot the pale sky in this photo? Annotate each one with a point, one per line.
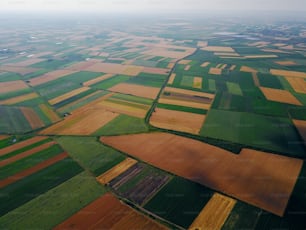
(152, 5)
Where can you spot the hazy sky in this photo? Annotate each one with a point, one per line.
(153, 5)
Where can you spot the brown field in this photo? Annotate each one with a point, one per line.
(286, 63)
(112, 68)
(279, 95)
(155, 70)
(128, 109)
(197, 82)
(18, 69)
(248, 69)
(20, 145)
(170, 65)
(214, 214)
(136, 90)
(189, 92)
(202, 43)
(28, 62)
(32, 170)
(287, 73)
(255, 79)
(3, 137)
(260, 43)
(218, 49)
(51, 76)
(26, 153)
(165, 52)
(298, 84)
(10, 86)
(82, 65)
(301, 127)
(205, 64)
(52, 116)
(227, 54)
(107, 212)
(215, 71)
(67, 95)
(84, 122)
(98, 79)
(261, 56)
(120, 168)
(184, 62)
(275, 51)
(187, 67)
(265, 181)
(177, 120)
(133, 70)
(171, 79)
(33, 119)
(18, 99)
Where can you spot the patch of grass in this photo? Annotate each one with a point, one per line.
(269, 81)
(91, 154)
(180, 201)
(146, 79)
(132, 98)
(9, 77)
(22, 191)
(234, 88)
(123, 124)
(187, 81)
(56, 205)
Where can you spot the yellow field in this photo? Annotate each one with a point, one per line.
(215, 71)
(170, 65)
(298, 84)
(171, 79)
(261, 56)
(248, 69)
(214, 214)
(279, 95)
(286, 63)
(218, 49)
(227, 54)
(52, 116)
(205, 64)
(187, 67)
(98, 79)
(18, 99)
(120, 168)
(197, 82)
(287, 73)
(184, 62)
(67, 95)
(133, 70)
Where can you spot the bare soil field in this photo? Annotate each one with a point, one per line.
(218, 49)
(279, 95)
(214, 214)
(82, 65)
(298, 84)
(120, 168)
(18, 69)
(215, 71)
(187, 67)
(33, 119)
(287, 73)
(286, 63)
(301, 127)
(258, 178)
(107, 212)
(255, 79)
(50, 76)
(136, 90)
(205, 64)
(184, 62)
(32, 170)
(227, 54)
(11, 86)
(84, 122)
(180, 101)
(177, 120)
(67, 95)
(18, 99)
(26, 153)
(28, 62)
(248, 69)
(112, 68)
(21, 144)
(98, 79)
(3, 137)
(155, 70)
(261, 56)
(189, 92)
(171, 79)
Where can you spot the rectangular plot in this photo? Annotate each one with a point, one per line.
(18, 99)
(67, 95)
(10, 86)
(33, 119)
(234, 88)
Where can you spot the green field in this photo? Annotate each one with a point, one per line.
(234, 88)
(146, 79)
(91, 154)
(187, 81)
(4, 77)
(56, 205)
(132, 98)
(182, 108)
(30, 161)
(268, 133)
(108, 83)
(26, 189)
(180, 201)
(123, 124)
(12, 120)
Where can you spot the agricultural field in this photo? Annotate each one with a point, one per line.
(152, 123)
